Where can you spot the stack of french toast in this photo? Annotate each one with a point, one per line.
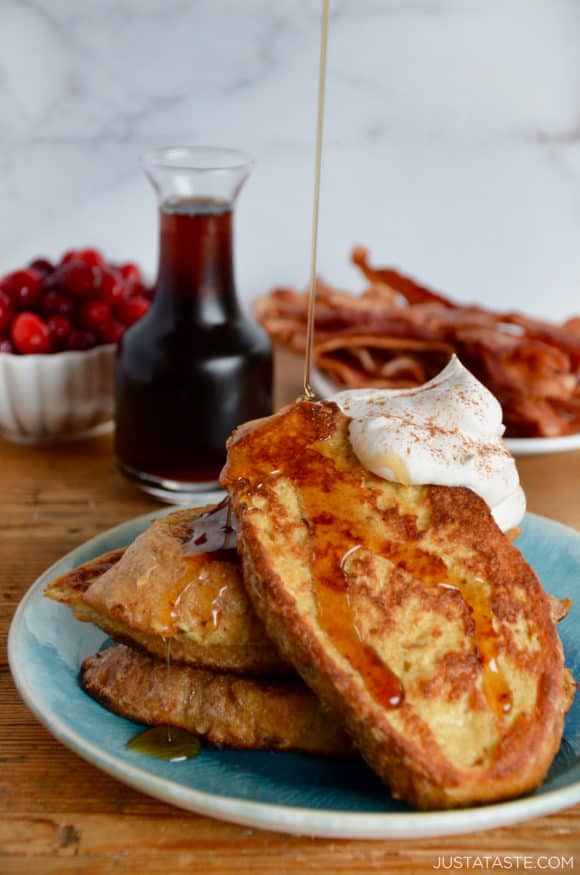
(323, 609)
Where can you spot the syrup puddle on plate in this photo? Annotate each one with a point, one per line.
(166, 743)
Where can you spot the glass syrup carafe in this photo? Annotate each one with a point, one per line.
(194, 367)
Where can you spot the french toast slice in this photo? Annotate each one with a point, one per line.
(404, 608)
(158, 591)
(223, 708)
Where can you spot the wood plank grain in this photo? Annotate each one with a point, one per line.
(201, 845)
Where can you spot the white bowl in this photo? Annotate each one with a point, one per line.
(56, 397)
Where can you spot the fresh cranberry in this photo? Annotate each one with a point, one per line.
(80, 339)
(77, 279)
(24, 287)
(111, 286)
(132, 310)
(42, 265)
(131, 271)
(92, 257)
(60, 328)
(30, 334)
(6, 311)
(134, 289)
(112, 331)
(56, 303)
(6, 286)
(94, 313)
(51, 281)
(6, 345)
(70, 255)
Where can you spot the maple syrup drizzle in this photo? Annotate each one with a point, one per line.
(331, 501)
(334, 526)
(308, 393)
(336, 618)
(167, 681)
(432, 571)
(213, 537)
(229, 531)
(209, 538)
(155, 742)
(217, 605)
(212, 532)
(495, 686)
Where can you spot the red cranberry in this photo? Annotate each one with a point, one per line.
(54, 302)
(70, 255)
(131, 271)
(6, 345)
(60, 328)
(112, 331)
(30, 334)
(135, 289)
(77, 279)
(51, 281)
(91, 257)
(80, 339)
(94, 313)
(6, 311)
(6, 286)
(24, 287)
(111, 286)
(132, 310)
(42, 265)
(84, 301)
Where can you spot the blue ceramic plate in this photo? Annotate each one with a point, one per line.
(284, 792)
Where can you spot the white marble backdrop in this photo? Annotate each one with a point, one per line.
(452, 136)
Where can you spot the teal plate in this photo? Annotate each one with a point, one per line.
(283, 792)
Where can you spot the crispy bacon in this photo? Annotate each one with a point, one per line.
(409, 288)
(399, 333)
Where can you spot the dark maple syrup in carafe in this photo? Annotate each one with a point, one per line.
(194, 367)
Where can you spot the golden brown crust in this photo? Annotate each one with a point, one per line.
(224, 709)
(432, 588)
(71, 586)
(153, 592)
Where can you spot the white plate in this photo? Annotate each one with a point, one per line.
(326, 388)
(540, 446)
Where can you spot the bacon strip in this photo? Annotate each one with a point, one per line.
(411, 290)
(399, 333)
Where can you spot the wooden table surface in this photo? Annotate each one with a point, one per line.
(60, 815)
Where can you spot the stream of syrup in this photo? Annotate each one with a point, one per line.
(308, 393)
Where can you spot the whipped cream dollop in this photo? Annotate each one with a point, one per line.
(447, 432)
